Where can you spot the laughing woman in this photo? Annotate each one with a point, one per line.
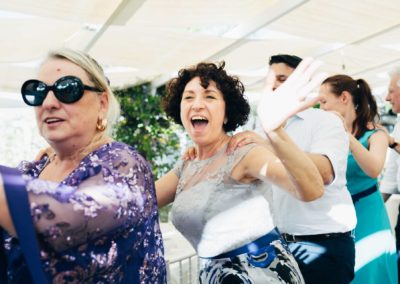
(219, 202)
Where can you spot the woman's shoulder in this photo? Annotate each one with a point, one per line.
(33, 168)
(114, 160)
(116, 149)
(117, 155)
(240, 153)
(372, 130)
(376, 133)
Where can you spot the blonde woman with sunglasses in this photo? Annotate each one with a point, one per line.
(89, 204)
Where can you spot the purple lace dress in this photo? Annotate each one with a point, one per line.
(99, 225)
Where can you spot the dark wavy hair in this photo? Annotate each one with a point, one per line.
(363, 100)
(236, 106)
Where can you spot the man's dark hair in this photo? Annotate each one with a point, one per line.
(290, 60)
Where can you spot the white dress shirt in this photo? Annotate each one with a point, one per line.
(391, 177)
(319, 132)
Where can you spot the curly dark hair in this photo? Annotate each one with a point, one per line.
(236, 105)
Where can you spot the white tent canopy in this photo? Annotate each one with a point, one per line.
(139, 40)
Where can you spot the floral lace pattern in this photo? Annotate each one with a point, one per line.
(212, 210)
(99, 225)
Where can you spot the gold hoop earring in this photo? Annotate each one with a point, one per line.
(101, 124)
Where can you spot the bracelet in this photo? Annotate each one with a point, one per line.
(393, 145)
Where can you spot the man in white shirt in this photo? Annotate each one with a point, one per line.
(391, 179)
(319, 233)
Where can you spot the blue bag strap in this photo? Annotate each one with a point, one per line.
(3, 263)
(19, 207)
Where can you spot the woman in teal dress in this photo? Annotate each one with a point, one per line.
(375, 245)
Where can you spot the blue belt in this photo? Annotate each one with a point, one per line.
(356, 197)
(252, 246)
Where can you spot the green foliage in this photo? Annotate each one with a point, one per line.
(145, 126)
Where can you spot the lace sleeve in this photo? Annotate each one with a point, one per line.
(107, 194)
(177, 169)
(239, 154)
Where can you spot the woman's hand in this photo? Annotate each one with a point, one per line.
(238, 140)
(190, 154)
(275, 107)
(243, 138)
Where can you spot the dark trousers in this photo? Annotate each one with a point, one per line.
(397, 233)
(329, 261)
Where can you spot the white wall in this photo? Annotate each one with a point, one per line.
(19, 137)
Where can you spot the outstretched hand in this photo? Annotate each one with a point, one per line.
(243, 138)
(275, 107)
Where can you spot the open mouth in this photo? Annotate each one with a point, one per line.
(199, 122)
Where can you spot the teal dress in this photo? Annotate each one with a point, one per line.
(375, 244)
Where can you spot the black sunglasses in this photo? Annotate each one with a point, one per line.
(68, 89)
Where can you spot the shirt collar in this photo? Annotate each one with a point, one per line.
(300, 115)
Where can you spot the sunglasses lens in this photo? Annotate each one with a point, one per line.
(34, 92)
(68, 89)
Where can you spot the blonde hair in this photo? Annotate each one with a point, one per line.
(97, 77)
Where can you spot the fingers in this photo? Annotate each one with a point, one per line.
(190, 154)
(303, 75)
(185, 156)
(273, 110)
(270, 80)
(309, 103)
(237, 140)
(312, 67)
(312, 84)
(301, 68)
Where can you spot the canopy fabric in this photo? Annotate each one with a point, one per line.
(150, 40)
